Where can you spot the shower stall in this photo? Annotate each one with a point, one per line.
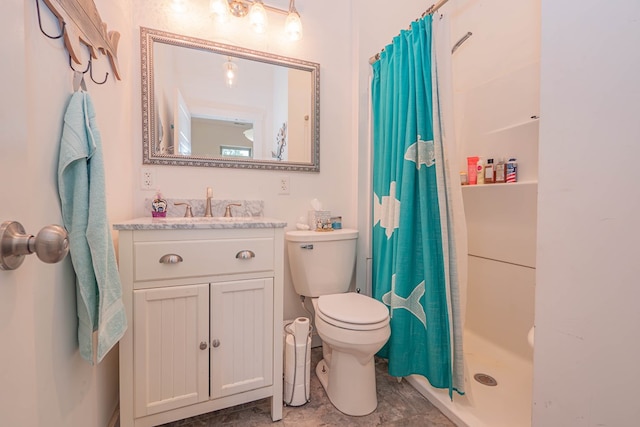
(501, 236)
(496, 114)
(499, 315)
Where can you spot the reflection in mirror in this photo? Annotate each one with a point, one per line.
(208, 104)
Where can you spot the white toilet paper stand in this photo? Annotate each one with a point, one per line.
(297, 358)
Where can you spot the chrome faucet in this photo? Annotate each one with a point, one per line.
(207, 209)
(227, 210)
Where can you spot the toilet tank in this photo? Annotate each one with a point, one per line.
(321, 263)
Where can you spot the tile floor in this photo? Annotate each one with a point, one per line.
(399, 404)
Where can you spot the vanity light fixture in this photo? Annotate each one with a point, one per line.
(258, 17)
(293, 24)
(178, 6)
(230, 73)
(256, 11)
(220, 9)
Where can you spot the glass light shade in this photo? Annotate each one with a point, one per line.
(230, 73)
(258, 17)
(293, 26)
(219, 9)
(178, 6)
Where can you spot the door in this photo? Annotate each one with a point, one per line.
(241, 336)
(182, 125)
(171, 351)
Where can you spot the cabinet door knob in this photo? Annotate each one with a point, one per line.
(170, 259)
(215, 343)
(203, 345)
(245, 254)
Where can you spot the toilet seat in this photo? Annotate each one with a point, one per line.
(352, 311)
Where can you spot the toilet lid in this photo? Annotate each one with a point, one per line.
(353, 311)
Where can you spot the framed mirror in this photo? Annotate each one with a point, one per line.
(211, 104)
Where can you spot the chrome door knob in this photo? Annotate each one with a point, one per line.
(51, 244)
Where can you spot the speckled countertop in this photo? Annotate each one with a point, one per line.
(201, 223)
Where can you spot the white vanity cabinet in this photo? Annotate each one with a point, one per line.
(204, 307)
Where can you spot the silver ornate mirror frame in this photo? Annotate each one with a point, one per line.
(149, 121)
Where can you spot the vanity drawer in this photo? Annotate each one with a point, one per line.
(202, 258)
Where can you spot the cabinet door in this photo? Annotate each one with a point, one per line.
(171, 351)
(241, 336)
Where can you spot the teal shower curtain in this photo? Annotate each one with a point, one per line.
(413, 269)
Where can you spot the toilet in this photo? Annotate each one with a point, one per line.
(352, 326)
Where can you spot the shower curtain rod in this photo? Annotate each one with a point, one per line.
(429, 11)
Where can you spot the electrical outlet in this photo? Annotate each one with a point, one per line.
(147, 179)
(283, 185)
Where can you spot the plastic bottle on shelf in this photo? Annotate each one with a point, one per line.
(512, 170)
(471, 170)
(464, 178)
(480, 171)
(501, 172)
(489, 172)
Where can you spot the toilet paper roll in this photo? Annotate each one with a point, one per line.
(301, 330)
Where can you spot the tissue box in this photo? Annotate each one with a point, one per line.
(320, 220)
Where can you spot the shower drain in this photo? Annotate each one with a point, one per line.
(485, 379)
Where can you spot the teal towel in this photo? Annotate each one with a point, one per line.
(81, 185)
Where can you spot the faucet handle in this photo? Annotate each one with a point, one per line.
(227, 210)
(187, 213)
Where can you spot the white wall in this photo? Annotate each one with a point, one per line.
(44, 379)
(587, 349)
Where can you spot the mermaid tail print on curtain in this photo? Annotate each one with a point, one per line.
(410, 253)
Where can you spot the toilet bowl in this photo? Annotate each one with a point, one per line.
(353, 328)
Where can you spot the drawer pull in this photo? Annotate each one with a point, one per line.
(170, 259)
(203, 345)
(245, 255)
(215, 343)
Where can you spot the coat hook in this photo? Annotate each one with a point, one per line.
(90, 70)
(85, 70)
(40, 24)
(91, 74)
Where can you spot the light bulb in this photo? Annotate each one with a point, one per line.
(230, 73)
(293, 25)
(178, 6)
(220, 9)
(258, 17)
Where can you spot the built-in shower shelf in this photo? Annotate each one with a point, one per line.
(510, 184)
